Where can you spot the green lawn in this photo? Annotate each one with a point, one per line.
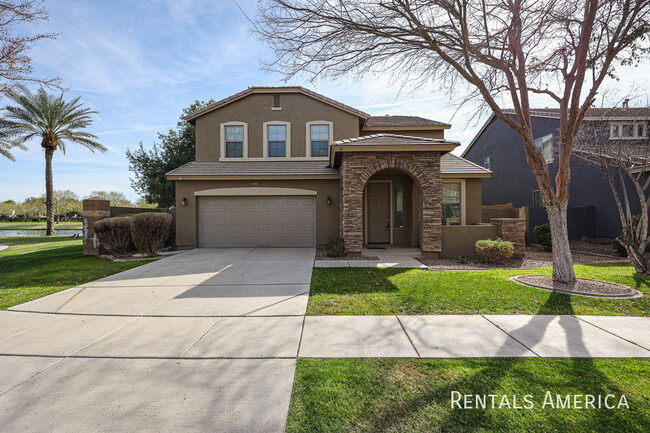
(399, 395)
(33, 267)
(41, 226)
(359, 291)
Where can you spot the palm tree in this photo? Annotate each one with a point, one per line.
(51, 119)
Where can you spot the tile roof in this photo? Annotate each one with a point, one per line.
(254, 168)
(390, 140)
(401, 121)
(264, 89)
(453, 164)
(449, 164)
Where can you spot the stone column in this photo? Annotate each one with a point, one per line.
(513, 230)
(94, 209)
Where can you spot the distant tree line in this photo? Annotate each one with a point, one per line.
(67, 206)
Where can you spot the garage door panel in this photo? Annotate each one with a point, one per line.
(275, 221)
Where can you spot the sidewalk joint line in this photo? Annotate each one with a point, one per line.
(508, 334)
(302, 330)
(408, 336)
(275, 303)
(609, 332)
(66, 302)
(201, 337)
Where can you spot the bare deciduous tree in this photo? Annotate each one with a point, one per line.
(623, 163)
(505, 50)
(15, 62)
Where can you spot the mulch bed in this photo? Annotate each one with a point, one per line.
(534, 257)
(581, 287)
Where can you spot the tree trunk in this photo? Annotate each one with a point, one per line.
(562, 260)
(49, 191)
(639, 260)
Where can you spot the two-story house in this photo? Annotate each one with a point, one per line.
(592, 209)
(288, 167)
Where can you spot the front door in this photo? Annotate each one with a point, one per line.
(378, 209)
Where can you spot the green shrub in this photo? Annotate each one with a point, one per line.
(114, 234)
(542, 234)
(334, 247)
(149, 231)
(494, 251)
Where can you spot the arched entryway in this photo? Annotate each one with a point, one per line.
(359, 168)
(391, 209)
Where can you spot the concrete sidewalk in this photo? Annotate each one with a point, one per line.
(386, 258)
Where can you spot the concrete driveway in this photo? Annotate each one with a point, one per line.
(193, 342)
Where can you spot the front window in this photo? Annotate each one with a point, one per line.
(320, 139)
(537, 199)
(486, 162)
(545, 145)
(277, 140)
(234, 141)
(451, 204)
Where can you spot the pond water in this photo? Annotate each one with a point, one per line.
(39, 232)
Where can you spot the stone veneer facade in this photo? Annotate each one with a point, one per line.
(357, 168)
(513, 230)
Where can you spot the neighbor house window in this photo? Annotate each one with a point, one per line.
(319, 134)
(234, 141)
(537, 199)
(545, 145)
(398, 206)
(451, 204)
(277, 139)
(486, 162)
(628, 130)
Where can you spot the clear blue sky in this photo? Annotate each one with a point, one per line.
(139, 63)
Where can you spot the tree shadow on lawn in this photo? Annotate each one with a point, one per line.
(581, 377)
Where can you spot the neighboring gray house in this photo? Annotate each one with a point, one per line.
(592, 212)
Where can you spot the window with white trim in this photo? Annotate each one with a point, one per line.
(628, 130)
(545, 145)
(319, 139)
(234, 141)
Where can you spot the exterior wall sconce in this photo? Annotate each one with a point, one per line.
(329, 200)
(184, 202)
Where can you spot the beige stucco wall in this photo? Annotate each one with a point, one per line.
(459, 241)
(327, 216)
(255, 109)
(473, 202)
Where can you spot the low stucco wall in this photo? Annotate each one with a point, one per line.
(458, 241)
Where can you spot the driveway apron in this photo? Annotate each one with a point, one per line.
(205, 340)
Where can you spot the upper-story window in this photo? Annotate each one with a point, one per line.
(486, 162)
(277, 139)
(319, 136)
(628, 130)
(545, 145)
(276, 102)
(234, 140)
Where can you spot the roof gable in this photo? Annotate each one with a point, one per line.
(272, 90)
